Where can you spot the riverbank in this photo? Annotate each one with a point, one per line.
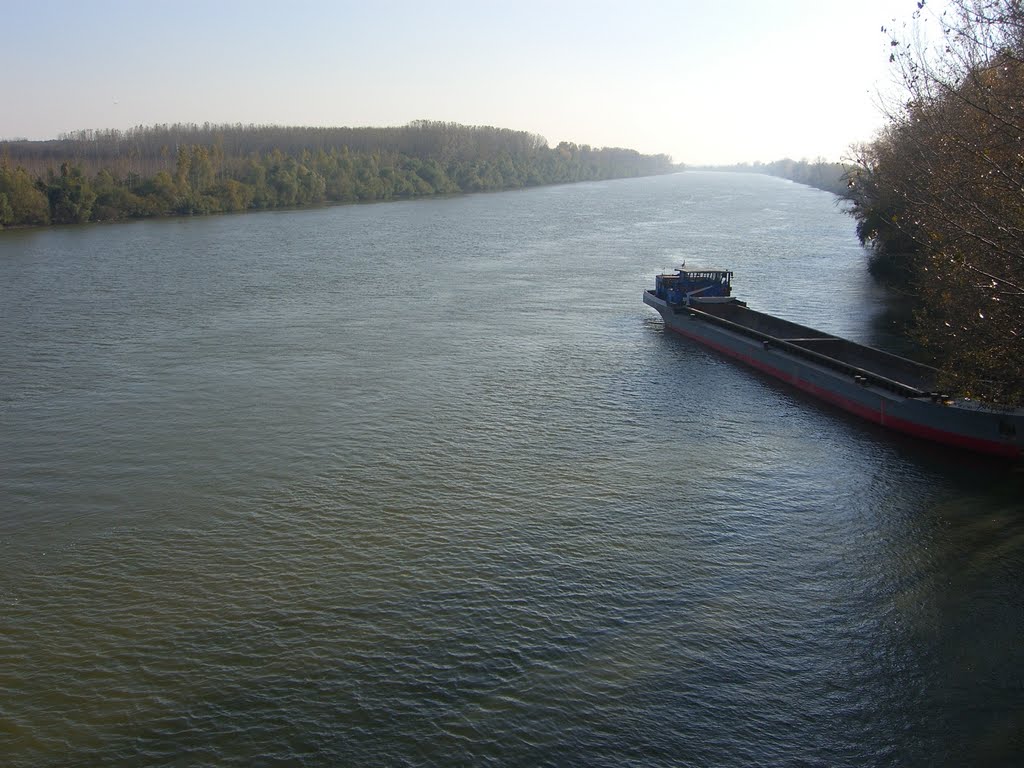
(188, 170)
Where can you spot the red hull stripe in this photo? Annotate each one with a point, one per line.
(879, 417)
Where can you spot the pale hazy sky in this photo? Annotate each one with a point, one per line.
(710, 81)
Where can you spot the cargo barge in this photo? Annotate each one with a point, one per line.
(884, 388)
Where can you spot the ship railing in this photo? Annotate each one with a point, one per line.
(860, 375)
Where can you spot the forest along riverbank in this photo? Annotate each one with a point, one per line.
(188, 169)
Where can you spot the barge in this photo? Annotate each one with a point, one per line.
(890, 390)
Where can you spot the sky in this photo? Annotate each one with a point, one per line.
(705, 81)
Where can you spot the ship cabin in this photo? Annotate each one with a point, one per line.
(686, 285)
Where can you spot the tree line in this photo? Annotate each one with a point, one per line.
(939, 194)
(818, 173)
(190, 169)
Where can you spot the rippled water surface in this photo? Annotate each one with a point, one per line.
(426, 484)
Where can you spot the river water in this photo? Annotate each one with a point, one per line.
(425, 483)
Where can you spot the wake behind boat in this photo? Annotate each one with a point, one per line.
(884, 388)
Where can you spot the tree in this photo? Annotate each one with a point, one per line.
(24, 202)
(945, 182)
(70, 195)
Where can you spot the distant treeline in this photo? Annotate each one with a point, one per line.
(831, 177)
(820, 174)
(190, 169)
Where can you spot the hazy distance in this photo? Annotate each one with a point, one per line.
(704, 82)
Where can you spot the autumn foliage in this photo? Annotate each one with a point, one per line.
(940, 193)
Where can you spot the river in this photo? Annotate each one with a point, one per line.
(426, 483)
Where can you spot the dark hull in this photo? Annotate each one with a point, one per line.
(886, 389)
